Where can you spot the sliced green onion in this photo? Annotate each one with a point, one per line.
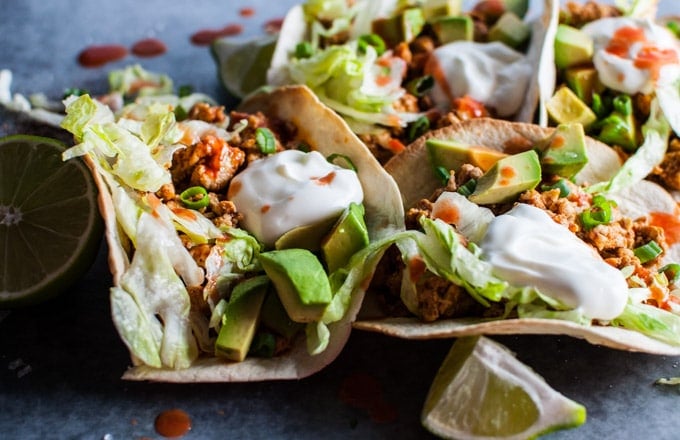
(418, 128)
(443, 174)
(195, 197)
(180, 113)
(263, 345)
(598, 214)
(467, 188)
(647, 252)
(623, 104)
(304, 50)
(599, 106)
(674, 27)
(561, 185)
(74, 91)
(347, 161)
(185, 90)
(371, 40)
(672, 272)
(420, 86)
(265, 140)
(304, 147)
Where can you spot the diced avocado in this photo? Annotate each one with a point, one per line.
(510, 29)
(519, 7)
(451, 154)
(583, 81)
(274, 317)
(564, 151)
(300, 281)
(572, 47)
(305, 237)
(507, 178)
(348, 236)
(403, 27)
(441, 8)
(450, 29)
(241, 318)
(565, 107)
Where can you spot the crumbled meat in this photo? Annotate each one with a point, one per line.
(668, 171)
(577, 14)
(199, 253)
(205, 112)
(438, 298)
(422, 209)
(225, 212)
(467, 172)
(167, 192)
(210, 163)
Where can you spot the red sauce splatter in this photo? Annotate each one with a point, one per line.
(246, 12)
(670, 223)
(325, 180)
(508, 172)
(469, 107)
(653, 58)
(205, 37)
(273, 26)
(558, 142)
(172, 423)
(265, 209)
(623, 39)
(234, 187)
(186, 214)
(416, 268)
(149, 47)
(98, 55)
(363, 391)
(446, 211)
(395, 146)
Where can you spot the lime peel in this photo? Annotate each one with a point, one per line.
(482, 391)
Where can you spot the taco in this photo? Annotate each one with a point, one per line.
(512, 241)
(394, 70)
(616, 70)
(230, 233)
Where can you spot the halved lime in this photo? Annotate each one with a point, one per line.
(50, 227)
(483, 391)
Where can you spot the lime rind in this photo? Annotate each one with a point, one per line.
(57, 232)
(482, 391)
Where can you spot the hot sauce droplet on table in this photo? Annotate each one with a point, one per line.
(98, 55)
(172, 423)
(149, 47)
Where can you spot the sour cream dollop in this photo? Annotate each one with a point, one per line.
(290, 189)
(527, 248)
(629, 53)
(491, 73)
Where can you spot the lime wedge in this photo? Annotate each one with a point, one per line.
(50, 227)
(242, 64)
(564, 107)
(483, 391)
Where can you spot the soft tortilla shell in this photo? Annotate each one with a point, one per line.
(326, 132)
(415, 178)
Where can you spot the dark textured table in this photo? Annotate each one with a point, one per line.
(60, 362)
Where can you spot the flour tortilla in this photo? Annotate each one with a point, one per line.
(324, 131)
(415, 178)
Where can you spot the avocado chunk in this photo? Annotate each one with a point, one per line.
(300, 281)
(565, 107)
(572, 47)
(564, 151)
(507, 178)
(519, 7)
(349, 236)
(241, 319)
(403, 27)
(450, 29)
(510, 30)
(274, 317)
(305, 237)
(451, 154)
(583, 81)
(441, 8)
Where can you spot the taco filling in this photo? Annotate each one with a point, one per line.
(231, 233)
(514, 231)
(618, 72)
(394, 70)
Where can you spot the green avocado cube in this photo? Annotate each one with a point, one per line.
(583, 81)
(572, 47)
(348, 236)
(510, 29)
(507, 178)
(403, 27)
(450, 29)
(564, 151)
(433, 9)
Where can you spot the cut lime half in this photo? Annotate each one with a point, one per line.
(482, 391)
(50, 227)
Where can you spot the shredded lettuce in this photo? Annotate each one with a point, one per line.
(135, 80)
(651, 321)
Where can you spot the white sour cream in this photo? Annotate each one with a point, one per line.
(620, 72)
(290, 189)
(491, 73)
(527, 248)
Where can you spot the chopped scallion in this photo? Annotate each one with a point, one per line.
(467, 188)
(418, 128)
(371, 40)
(304, 50)
(443, 174)
(648, 252)
(420, 86)
(561, 184)
(672, 271)
(348, 162)
(265, 140)
(195, 197)
(600, 213)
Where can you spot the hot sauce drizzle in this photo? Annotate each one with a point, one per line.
(98, 55)
(149, 47)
